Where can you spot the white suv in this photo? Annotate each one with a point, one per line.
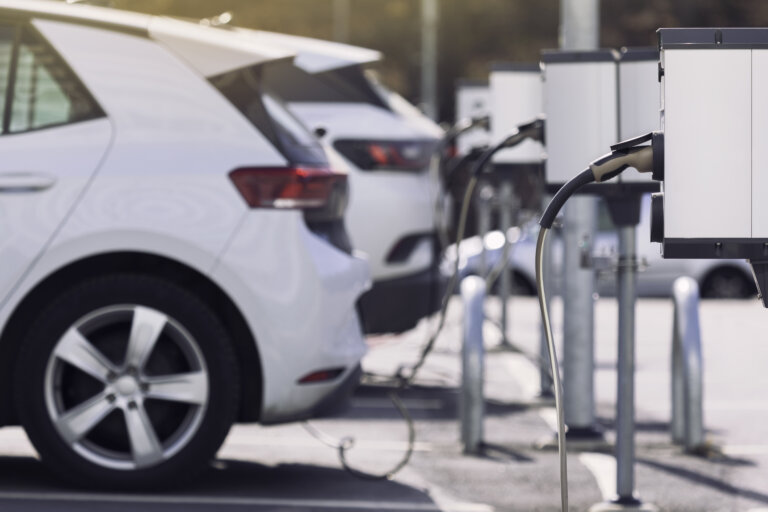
(173, 253)
(388, 144)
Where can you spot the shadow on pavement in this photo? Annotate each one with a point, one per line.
(700, 479)
(25, 482)
(422, 402)
(640, 426)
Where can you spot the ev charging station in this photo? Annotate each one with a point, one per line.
(602, 97)
(516, 93)
(579, 98)
(516, 96)
(473, 100)
(715, 161)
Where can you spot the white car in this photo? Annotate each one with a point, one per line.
(387, 144)
(716, 278)
(173, 253)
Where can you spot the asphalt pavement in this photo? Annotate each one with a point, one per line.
(286, 468)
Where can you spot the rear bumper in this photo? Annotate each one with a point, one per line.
(396, 305)
(338, 401)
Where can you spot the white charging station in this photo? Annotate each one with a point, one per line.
(580, 104)
(473, 99)
(592, 100)
(516, 96)
(714, 90)
(714, 86)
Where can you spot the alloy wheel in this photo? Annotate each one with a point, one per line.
(126, 387)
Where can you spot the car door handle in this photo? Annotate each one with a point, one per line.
(25, 182)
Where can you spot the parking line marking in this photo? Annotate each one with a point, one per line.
(745, 449)
(243, 501)
(603, 468)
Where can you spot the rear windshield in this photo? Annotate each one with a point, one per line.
(342, 85)
(246, 90)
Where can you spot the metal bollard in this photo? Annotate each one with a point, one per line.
(471, 401)
(484, 198)
(687, 369)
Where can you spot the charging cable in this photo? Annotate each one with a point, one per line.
(533, 129)
(530, 130)
(437, 163)
(624, 155)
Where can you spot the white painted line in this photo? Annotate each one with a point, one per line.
(241, 501)
(746, 449)
(736, 405)
(603, 468)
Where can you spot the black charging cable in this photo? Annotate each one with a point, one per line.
(624, 155)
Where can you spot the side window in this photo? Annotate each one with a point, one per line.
(41, 90)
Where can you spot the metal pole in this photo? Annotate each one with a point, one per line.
(578, 321)
(429, 19)
(625, 405)
(579, 30)
(506, 207)
(471, 402)
(579, 24)
(341, 16)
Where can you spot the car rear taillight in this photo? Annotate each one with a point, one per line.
(290, 187)
(400, 155)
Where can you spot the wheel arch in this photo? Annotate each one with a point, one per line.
(719, 267)
(244, 344)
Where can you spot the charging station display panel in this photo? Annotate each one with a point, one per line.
(580, 104)
(516, 95)
(715, 120)
(473, 99)
(639, 104)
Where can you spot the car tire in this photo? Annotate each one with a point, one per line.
(727, 283)
(126, 381)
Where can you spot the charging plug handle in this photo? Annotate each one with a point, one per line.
(531, 130)
(611, 165)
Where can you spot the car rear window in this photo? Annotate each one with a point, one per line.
(343, 85)
(246, 90)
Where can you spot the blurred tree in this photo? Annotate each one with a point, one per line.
(472, 34)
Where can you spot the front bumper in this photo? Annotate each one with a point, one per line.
(396, 305)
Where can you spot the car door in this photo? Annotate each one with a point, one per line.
(53, 137)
